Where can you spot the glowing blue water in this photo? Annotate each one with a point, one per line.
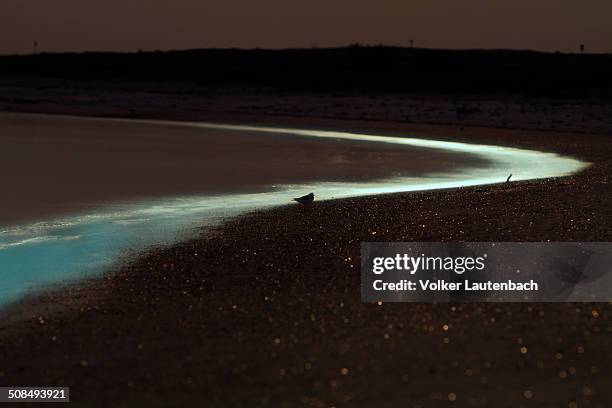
(32, 256)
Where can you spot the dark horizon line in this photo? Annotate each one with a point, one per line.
(314, 48)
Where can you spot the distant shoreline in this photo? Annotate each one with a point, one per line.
(313, 49)
(371, 70)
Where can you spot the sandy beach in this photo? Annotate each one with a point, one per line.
(266, 311)
(322, 204)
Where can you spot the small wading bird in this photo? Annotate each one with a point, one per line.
(305, 200)
(508, 179)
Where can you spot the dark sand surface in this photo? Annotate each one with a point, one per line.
(266, 311)
(55, 165)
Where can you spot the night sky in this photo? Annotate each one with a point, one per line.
(128, 25)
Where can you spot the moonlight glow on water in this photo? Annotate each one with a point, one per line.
(36, 255)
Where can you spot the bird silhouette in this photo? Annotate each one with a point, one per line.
(305, 200)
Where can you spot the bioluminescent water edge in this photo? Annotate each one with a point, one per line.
(34, 255)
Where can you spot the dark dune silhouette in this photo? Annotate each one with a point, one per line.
(372, 69)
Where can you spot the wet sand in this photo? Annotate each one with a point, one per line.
(57, 165)
(266, 310)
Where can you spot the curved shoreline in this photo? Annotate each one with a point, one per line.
(72, 163)
(87, 244)
(201, 319)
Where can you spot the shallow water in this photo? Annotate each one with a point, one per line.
(35, 255)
